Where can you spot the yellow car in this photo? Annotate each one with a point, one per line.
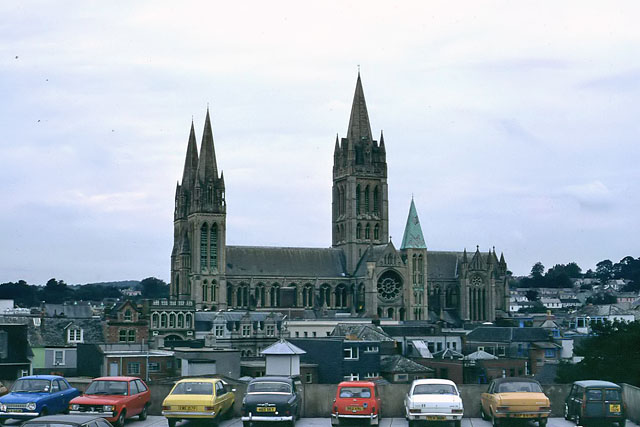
(198, 399)
(515, 398)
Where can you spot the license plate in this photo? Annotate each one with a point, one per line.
(435, 418)
(614, 408)
(187, 408)
(354, 408)
(266, 409)
(523, 415)
(14, 410)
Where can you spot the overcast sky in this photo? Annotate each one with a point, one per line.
(513, 124)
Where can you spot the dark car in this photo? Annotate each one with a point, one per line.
(595, 401)
(36, 395)
(68, 421)
(271, 399)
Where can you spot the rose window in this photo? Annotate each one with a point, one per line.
(389, 286)
(476, 281)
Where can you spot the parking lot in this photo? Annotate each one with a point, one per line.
(157, 421)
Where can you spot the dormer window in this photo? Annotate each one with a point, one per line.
(128, 317)
(75, 335)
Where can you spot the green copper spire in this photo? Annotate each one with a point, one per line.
(413, 238)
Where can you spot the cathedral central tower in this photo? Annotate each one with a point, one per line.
(360, 214)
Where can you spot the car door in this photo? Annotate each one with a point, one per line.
(485, 399)
(136, 399)
(145, 394)
(572, 404)
(56, 399)
(66, 393)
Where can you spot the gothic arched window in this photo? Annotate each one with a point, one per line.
(188, 320)
(358, 199)
(376, 232)
(275, 295)
(366, 199)
(341, 296)
(155, 320)
(367, 232)
(180, 320)
(163, 320)
(230, 295)
(205, 293)
(376, 200)
(325, 295)
(214, 291)
(177, 285)
(203, 247)
(359, 231)
(260, 295)
(213, 252)
(360, 296)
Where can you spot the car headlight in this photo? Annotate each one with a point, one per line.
(3, 408)
(74, 407)
(107, 408)
(31, 406)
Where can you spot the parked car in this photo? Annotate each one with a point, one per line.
(198, 399)
(68, 421)
(271, 399)
(356, 400)
(515, 398)
(114, 398)
(595, 401)
(433, 400)
(36, 395)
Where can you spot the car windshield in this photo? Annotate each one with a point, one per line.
(108, 387)
(54, 424)
(269, 387)
(355, 392)
(31, 386)
(519, 386)
(193, 388)
(434, 389)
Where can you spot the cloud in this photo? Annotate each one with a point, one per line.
(592, 195)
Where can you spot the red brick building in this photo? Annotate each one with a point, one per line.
(126, 323)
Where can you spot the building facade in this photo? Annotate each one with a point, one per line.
(362, 273)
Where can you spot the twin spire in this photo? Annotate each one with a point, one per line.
(202, 168)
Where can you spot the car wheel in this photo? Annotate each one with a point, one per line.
(482, 414)
(121, 417)
(143, 414)
(542, 422)
(172, 422)
(43, 412)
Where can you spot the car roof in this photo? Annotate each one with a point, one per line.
(596, 383)
(199, 379)
(433, 381)
(357, 384)
(514, 380)
(272, 378)
(71, 419)
(41, 377)
(116, 378)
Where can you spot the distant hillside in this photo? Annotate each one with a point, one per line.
(121, 284)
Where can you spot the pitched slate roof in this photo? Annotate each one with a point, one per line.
(80, 310)
(361, 332)
(285, 262)
(507, 334)
(52, 332)
(400, 364)
(444, 264)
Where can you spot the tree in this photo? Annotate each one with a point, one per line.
(606, 355)
(573, 270)
(154, 288)
(55, 292)
(532, 295)
(601, 299)
(96, 292)
(537, 270)
(22, 294)
(604, 270)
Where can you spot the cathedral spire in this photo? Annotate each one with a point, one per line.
(382, 142)
(413, 237)
(191, 160)
(359, 126)
(207, 166)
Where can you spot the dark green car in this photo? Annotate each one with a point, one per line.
(592, 401)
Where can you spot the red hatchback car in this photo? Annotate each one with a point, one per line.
(356, 400)
(113, 398)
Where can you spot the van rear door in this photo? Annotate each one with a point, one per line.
(594, 403)
(612, 402)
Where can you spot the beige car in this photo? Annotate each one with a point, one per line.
(515, 398)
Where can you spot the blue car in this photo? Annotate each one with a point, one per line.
(36, 395)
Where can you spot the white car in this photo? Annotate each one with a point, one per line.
(433, 400)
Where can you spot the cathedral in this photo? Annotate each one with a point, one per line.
(361, 274)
